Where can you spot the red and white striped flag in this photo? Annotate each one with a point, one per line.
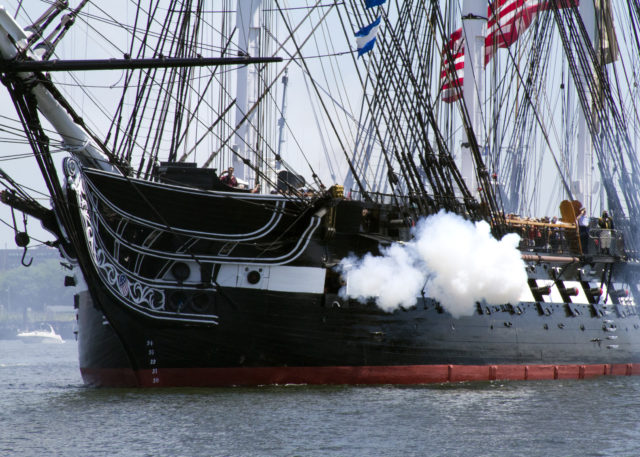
(508, 19)
(452, 74)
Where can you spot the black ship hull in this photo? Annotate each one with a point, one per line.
(155, 316)
(306, 340)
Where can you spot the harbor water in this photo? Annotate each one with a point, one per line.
(46, 410)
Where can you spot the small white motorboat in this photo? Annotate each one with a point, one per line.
(41, 336)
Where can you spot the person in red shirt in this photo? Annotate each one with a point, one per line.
(228, 178)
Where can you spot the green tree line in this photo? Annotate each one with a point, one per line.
(37, 286)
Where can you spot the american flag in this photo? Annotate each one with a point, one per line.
(452, 75)
(507, 20)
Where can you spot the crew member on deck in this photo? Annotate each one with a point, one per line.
(228, 178)
(606, 225)
(583, 225)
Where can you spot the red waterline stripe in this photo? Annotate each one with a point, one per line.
(406, 374)
(109, 377)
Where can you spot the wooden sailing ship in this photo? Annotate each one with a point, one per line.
(191, 282)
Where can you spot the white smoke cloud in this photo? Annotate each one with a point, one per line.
(453, 260)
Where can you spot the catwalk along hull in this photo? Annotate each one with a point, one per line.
(174, 303)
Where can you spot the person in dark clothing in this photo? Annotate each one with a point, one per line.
(606, 226)
(228, 178)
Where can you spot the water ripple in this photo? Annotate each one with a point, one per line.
(45, 410)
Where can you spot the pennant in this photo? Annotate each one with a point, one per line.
(372, 3)
(366, 37)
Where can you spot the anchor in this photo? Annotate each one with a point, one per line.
(22, 238)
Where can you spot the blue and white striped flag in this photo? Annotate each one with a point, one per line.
(366, 37)
(372, 3)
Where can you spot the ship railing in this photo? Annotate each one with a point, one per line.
(544, 237)
(606, 242)
(378, 197)
(407, 201)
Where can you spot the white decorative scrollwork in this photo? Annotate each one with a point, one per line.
(129, 290)
(70, 167)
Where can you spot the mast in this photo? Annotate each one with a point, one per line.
(282, 121)
(248, 30)
(583, 186)
(474, 19)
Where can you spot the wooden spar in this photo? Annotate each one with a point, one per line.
(12, 66)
